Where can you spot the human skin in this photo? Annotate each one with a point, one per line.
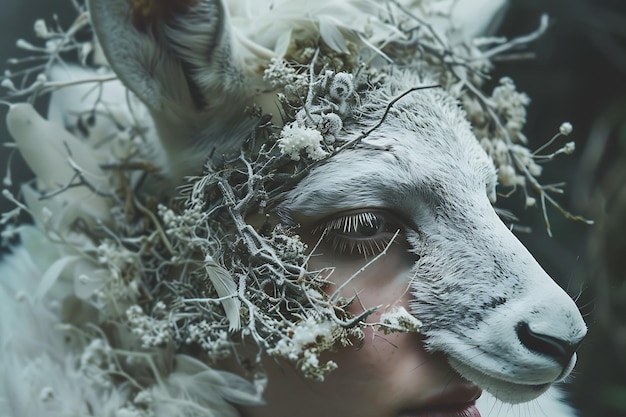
(388, 375)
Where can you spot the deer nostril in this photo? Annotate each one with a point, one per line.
(558, 349)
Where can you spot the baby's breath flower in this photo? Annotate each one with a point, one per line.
(143, 398)
(566, 128)
(535, 169)
(511, 105)
(8, 84)
(53, 45)
(507, 175)
(279, 74)
(569, 148)
(295, 139)
(41, 30)
(307, 339)
(152, 332)
(96, 362)
(46, 394)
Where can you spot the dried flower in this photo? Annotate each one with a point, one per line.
(398, 319)
(566, 128)
(295, 139)
(41, 30)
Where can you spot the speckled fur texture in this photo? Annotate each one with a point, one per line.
(474, 282)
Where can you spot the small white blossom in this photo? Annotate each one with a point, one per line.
(216, 343)
(278, 73)
(398, 319)
(308, 338)
(46, 394)
(286, 246)
(97, 363)
(295, 139)
(511, 104)
(535, 169)
(8, 84)
(53, 45)
(143, 398)
(306, 333)
(330, 125)
(152, 332)
(23, 44)
(507, 175)
(41, 30)
(569, 148)
(500, 153)
(159, 308)
(566, 128)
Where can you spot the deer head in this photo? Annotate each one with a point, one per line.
(483, 299)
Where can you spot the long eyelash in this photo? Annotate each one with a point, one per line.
(348, 223)
(367, 247)
(351, 223)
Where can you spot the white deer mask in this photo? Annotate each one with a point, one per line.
(355, 139)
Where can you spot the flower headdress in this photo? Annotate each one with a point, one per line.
(146, 281)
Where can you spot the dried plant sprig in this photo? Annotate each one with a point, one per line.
(31, 81)
(495, 119)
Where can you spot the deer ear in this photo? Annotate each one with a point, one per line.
(176, 56)
(468, 19)
(478, 17)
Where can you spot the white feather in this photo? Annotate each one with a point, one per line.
(40, 365)
(226, 289)
(193, 385)
(48, 150)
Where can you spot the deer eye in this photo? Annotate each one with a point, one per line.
(363, 232)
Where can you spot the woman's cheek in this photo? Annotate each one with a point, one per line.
(380, 282)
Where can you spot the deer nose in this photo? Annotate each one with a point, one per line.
(558, 349)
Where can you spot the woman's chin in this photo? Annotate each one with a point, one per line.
(505, 391)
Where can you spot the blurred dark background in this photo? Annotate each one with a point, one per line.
(578, 74)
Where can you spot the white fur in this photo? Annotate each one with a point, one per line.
(550, 404)
(474, 282)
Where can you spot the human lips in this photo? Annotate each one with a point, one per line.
(457, 401)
